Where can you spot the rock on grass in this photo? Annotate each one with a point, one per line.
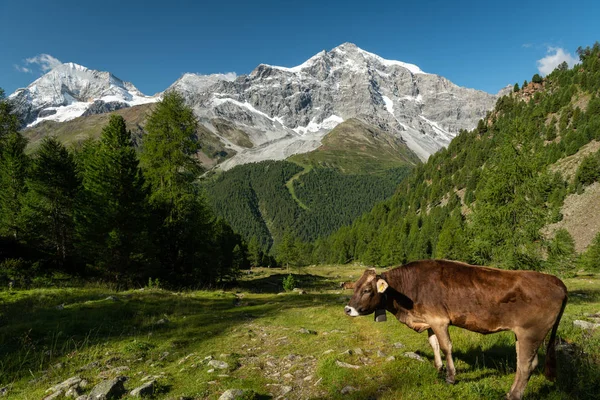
(346, 365)
(232, 394)
(109, 389)
(146, 390)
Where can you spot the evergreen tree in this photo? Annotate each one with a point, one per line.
(169, 149)
(181, 220)
(590, 259)
(254, 252)
(50, 202)
(113, 217)
(451, 241)
(561, 253)
(516, 87)
(287, 251)
(536, 78)
(8, 121)
(509, 210)
(13, 171)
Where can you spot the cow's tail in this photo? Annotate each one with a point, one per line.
(550, 366)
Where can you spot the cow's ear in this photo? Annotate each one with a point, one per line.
(381, 285)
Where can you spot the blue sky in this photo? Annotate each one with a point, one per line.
(478, 44)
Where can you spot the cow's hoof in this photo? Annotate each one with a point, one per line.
(450, 380)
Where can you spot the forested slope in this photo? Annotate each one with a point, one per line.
(255, 200)
(487, 197)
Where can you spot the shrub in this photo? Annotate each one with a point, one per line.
(289, 283)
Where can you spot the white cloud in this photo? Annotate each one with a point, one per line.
(22, 69)
(230, 76)
(555, 56)
(45, 61)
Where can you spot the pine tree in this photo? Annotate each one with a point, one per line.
(590, 259)
(516, 87)
(561, 253)
(181, 219)
(8, 120)
(509, 209)
(254, 252)
(287, 254)
(50, 202)
(13, 171)
(113, 217)
(169, 148)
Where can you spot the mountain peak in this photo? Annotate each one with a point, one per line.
(72, 65)
(352, 55)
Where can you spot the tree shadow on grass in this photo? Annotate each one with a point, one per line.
(274, 283)
(37, 334)
(583, 296)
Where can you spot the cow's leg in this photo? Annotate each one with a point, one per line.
(435, 345)
(446, 345)
(526, 362)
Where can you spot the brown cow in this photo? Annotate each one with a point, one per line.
(347, 285)
(434, 294)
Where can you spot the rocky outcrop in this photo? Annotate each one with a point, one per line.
(289, 110)
(101, 107)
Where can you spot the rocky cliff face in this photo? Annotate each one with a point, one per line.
(69, 90)
(288, 110)
(275, 112)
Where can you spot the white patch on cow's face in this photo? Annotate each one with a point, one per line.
(351, 311)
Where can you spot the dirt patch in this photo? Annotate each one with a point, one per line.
(581, 217)
(581, 100)
(568, 165)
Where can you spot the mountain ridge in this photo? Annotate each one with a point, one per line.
(282, 111)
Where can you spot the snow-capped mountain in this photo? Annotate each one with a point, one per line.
(275, 112)
(71, 90)
(288, 110)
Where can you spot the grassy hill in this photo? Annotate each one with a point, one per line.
(355, 147)
(75, 131)
(272, 344)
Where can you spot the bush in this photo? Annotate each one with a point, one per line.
(14, 272)
(588, 171)
(289, 283)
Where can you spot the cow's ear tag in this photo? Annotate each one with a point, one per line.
(381, 285)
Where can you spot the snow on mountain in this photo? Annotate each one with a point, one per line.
(288, 110)
(69, 90)
(281, 110)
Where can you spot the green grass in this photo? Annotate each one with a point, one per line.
(256, 330)
(290, 185)
(354, 147)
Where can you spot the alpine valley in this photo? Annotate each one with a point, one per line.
(347, 121)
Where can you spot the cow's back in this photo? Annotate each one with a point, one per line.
(480, 299)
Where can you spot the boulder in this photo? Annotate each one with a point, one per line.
(232, 394)
(108, 389)
(146, 390)
(218, 364)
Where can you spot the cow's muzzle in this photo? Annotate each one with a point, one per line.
(351, 311)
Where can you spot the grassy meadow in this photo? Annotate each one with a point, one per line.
(276, 345)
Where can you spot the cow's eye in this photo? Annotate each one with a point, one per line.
(367, 291)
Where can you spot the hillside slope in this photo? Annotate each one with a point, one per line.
(75, 131)
(271, 199)
(488, 197)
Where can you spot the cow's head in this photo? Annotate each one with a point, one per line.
(368, 294)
